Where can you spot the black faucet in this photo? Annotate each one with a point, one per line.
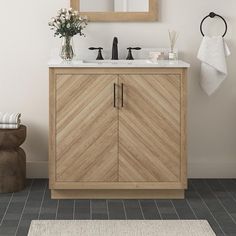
(115, 49)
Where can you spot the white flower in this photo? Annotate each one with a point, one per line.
(68, 26)
(68, 17)
(57, 25)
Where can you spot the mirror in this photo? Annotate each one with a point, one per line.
(117, 10)
(114, 5)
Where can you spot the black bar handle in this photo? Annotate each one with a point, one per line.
(114, 100)
(122, 95)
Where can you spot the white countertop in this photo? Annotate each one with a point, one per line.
(58, 63)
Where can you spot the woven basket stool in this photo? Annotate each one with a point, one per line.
(12, 160)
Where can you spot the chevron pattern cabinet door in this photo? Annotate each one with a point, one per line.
(86, 128)
(150, 128)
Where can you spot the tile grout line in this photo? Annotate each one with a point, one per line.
(220, 202)
(90, 209)
(57, 209)
(158, 209)
(191, 209)
(203, 201)
(6, 209)
(73, 210)
(226, 190)
(124, 210)
(40, 209)
(175, 209)
(141, 209)
(108, 215)
(26, 200)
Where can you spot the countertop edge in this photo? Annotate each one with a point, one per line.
(77, 64)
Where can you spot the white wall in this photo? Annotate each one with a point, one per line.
(26, 42)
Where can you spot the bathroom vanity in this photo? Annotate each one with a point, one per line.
(118, 129)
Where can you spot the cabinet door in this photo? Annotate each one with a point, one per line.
(86, 128)
(150, 128)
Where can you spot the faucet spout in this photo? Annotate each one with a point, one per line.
(115, 49)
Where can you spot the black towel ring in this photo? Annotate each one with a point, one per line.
(212, 15)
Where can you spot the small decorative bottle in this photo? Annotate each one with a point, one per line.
(173, 36)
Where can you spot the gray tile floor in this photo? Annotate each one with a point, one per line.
(213, 200)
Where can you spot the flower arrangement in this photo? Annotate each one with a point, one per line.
(67, 24)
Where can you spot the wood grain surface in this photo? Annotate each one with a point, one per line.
(149, 128)
(86, 128)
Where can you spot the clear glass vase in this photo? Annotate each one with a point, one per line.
(173, 55)
(67, 49)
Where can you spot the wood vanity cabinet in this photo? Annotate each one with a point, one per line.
(117, 132)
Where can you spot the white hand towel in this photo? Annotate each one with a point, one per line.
(212, 53)
(9, 118)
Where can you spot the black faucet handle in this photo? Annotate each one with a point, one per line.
(93, 48)
(135, 48)
(99, 57)
(130, 56)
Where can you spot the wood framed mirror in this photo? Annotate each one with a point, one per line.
(117, 10)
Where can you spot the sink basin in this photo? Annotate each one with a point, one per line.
(118, 62)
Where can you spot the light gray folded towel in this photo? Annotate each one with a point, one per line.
(9, 126)
(9, 118)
